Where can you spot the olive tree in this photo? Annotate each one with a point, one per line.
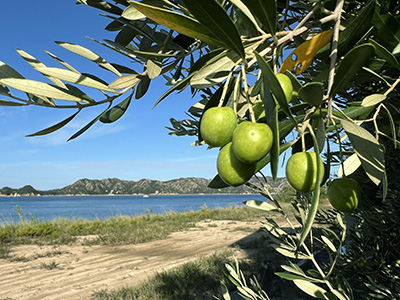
(342, 102)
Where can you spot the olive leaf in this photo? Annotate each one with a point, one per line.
(10, 103)
(215, 71)
(37, 64)
(116, 112)
(131, 13)
(246, 11)
(176, 21)
(271, 116)
(368, 150)
(54, 127)
(387, 25)
(349, 166)
(41, 89)
(260, 205)
(125, 81)
(385, 54)
(373, 99)
(350, 65)
(215, 19)
(73, 77)
(274, 85)
(311, 288)
(312, 93)
(90, 55)
(88, 125)
(8, 72)
(181, 84)
(265, 12)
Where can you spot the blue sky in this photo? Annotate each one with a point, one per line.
(136, 146)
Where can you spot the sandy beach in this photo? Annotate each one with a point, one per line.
(78, 271)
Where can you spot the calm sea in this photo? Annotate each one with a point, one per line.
(101, 207)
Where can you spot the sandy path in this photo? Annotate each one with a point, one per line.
(82, 270)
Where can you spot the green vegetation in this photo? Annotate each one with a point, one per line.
(194, 280)
(115, 230)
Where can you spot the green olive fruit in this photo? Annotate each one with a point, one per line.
(231, 170)
(344, 194)
(251, 141)
(301, 171)
(217, 125)
(286, 85)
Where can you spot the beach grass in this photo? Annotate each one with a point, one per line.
(114, 230)
(199, 279)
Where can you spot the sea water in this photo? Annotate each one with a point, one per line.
(100, 207)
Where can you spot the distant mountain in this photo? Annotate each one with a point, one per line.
(115, 186)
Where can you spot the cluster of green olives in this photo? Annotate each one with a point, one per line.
(242, 145)
(245, 143)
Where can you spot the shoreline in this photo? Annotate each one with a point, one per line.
(112, 195)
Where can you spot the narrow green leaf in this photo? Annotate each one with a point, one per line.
(90, 55)
(373, 99)
(62, 62)
(54, 127)
(329, 243)
(260, 205)
(245, 10)
(116, 112)
(215, 71)
(355, 112)
(153, 69)
(88, 125)
(142, 87)
(387, 25)
(288, 252)
(273, 84)
(125, 36)
(290, 276)
(385, 54)
(79, 93)
(10, 103)
(178, 86)
(41, 89)
(312, 93)
(293, 268)
(36, 64)
(131, 13)
(175, 21)
(265, 12)
(368, 149)
(311, 288)
(8, 72)
(125, 81)
(350, 165)
(350, 65)
(76, 78)
(392, 126)
(315, 199)
(215, 19)
(103, 5)
(271, 116)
